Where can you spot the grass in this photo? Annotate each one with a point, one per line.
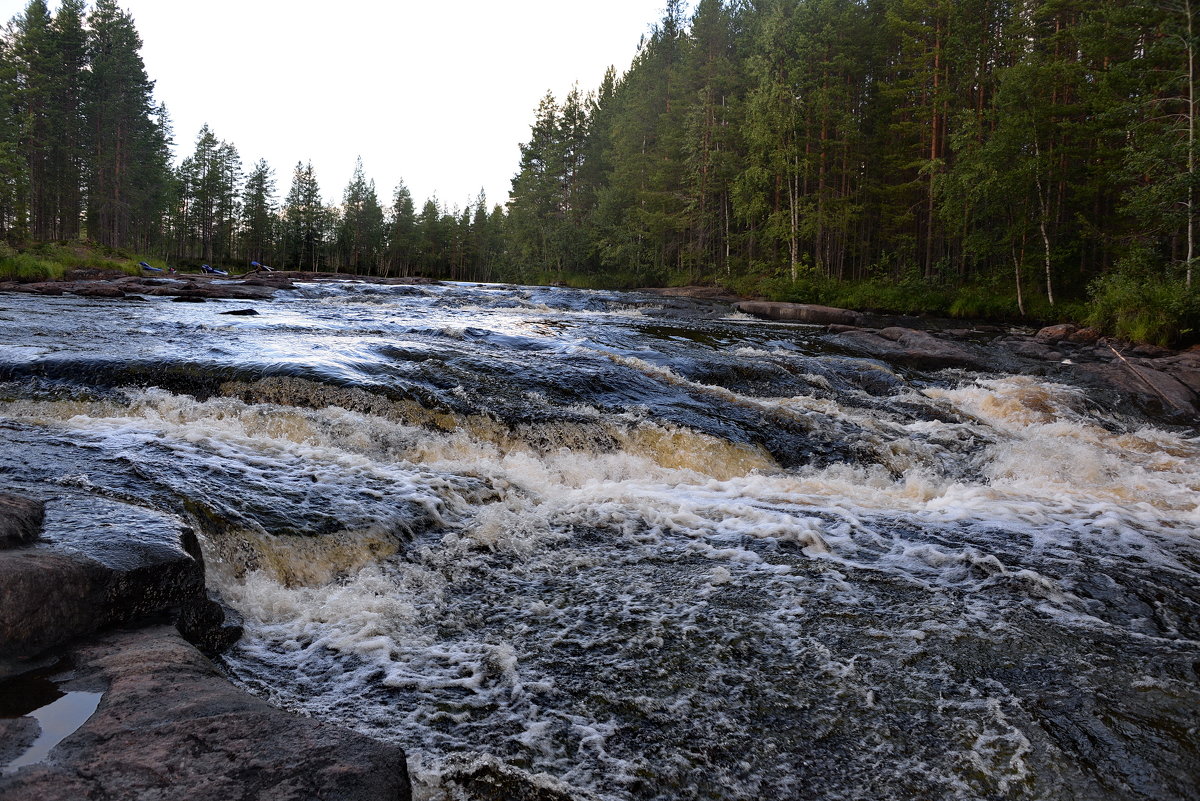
(1144, 308)
(51, 261)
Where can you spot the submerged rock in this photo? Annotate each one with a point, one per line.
(484, 778)
(169, 726)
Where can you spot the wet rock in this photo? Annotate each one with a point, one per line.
(485, 778)
(188, 299)
(40, 288)
(97, 289)
(841, 329)
(214, 291)
(100, 563)
(169, 726)
(914, 348)
(20, 520)
(1033, 349)
(209, 626)
(269, 280)
(799, 312)
(16, 735)
(1184, 368)
(1151, 389)
(241, 312)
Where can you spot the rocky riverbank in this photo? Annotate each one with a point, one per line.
(186, 287)
(1157, 381)
(105, 689)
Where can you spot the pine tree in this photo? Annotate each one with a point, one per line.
(126, 176)
(361, 234)
(304, 221)
(401, 232)
(259, 214)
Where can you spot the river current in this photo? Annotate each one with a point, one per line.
(644, 548)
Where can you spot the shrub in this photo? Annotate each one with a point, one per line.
(1134, 306)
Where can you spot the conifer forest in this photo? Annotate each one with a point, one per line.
(980, 157)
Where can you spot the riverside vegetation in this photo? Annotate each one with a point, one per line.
(1000, 158)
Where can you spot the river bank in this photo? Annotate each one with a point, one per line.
(1161, 381)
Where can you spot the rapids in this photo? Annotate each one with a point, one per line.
(644, 548)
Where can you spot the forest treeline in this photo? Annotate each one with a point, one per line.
(1015, 156)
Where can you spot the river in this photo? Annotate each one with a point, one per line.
(645, 548)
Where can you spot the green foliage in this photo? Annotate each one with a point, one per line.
(1132, 305)
(49, 261)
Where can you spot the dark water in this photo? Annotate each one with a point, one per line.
(648, 548)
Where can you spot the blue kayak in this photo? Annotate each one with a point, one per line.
(212, 270)
(145, 266)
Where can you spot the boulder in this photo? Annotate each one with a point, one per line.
(1052, 334)
(97, 289)
(20, 520)
(798, 312)
(241, 312)
(914, 348)
(1084, 336)
(170, 727)
(101, 563)
(1151, 389)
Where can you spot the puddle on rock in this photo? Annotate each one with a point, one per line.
(58, 713)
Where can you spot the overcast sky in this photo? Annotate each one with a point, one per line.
(439, 94)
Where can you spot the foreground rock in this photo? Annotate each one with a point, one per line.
(20, 520)
(99, 563)
(169, 726)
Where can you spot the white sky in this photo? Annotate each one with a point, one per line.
(439, 94)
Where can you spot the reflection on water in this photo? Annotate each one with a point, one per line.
(58, 713)
(644, 546)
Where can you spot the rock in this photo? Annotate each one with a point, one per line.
(100, 563)
(480, 777)
(41, 288)
(1055, 333)
(1033, 349)
(1182, 369)
(1151, 389)
(97, 289)
(188, 299)
(204, 624)
(841, 329)
(1084, 336)
(16, 735)
(1150, 351)
(241, 312)
(20, 520)
(914, 348)
(714, 293)
(170, 727)
(799, 312)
